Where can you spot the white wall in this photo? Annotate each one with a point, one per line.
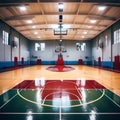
(7, 52)
(105, 52)
(49, 54)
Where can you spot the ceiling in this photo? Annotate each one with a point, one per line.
(40, 19)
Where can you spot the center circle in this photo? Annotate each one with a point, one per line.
(60, 68)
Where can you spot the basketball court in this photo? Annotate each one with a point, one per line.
(60, 99)
(59, 60)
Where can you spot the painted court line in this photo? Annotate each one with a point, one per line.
(11, 98)
(86, 113)
(49, 105)
(111, 99)
(8, 101)
(79, 94)
(60, 113)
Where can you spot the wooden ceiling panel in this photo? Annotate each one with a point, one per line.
(34, 8)
(68, 18)
(5, 13)
(85, 7)
(50, 8)
(80, 19)
(52, 19)
(70, 8)
(44, 14)
(114, 12)
(105, 22)
(39, 19)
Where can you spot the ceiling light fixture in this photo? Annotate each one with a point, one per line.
(89, 26)
(84, 32)
(93, 21)
(22, 8)
(60, 6)
(34, 27)
(101, 8)
(35, 33)
(29, 21)
(83, 36)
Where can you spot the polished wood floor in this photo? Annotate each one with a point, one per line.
(110, 80)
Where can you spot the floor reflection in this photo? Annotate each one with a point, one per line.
(60, 92)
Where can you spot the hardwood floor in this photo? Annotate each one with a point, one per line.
(110, 80)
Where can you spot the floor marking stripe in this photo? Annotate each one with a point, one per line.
(86, 113)
(47, 105)
(79, 94)
(112, 100)
(8, 101)
(10, 98)
(60, 114)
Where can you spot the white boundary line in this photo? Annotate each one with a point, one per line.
(13, 96)
(111, 99)
(60, 113)
(86, 113)
(79, 95)
(8, 101)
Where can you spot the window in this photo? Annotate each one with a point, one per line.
(117, 36)
(106, 40)
(15, 42)
(5, 37)
(80, 46)
(39, 46)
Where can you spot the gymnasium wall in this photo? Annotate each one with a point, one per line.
(8, 52)
(116, 47)
(103, 46)
(49, 56)
(100, 46)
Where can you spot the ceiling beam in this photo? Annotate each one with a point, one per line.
(2, 5)
(88, 24)
(30, 16)
(52, 29)
(108, 4)
(19, 17)
(54, 1)
(13, 4)
(76, 14)
(43, 13)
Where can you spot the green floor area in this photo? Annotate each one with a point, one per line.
(62, 117)
(26, 104)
